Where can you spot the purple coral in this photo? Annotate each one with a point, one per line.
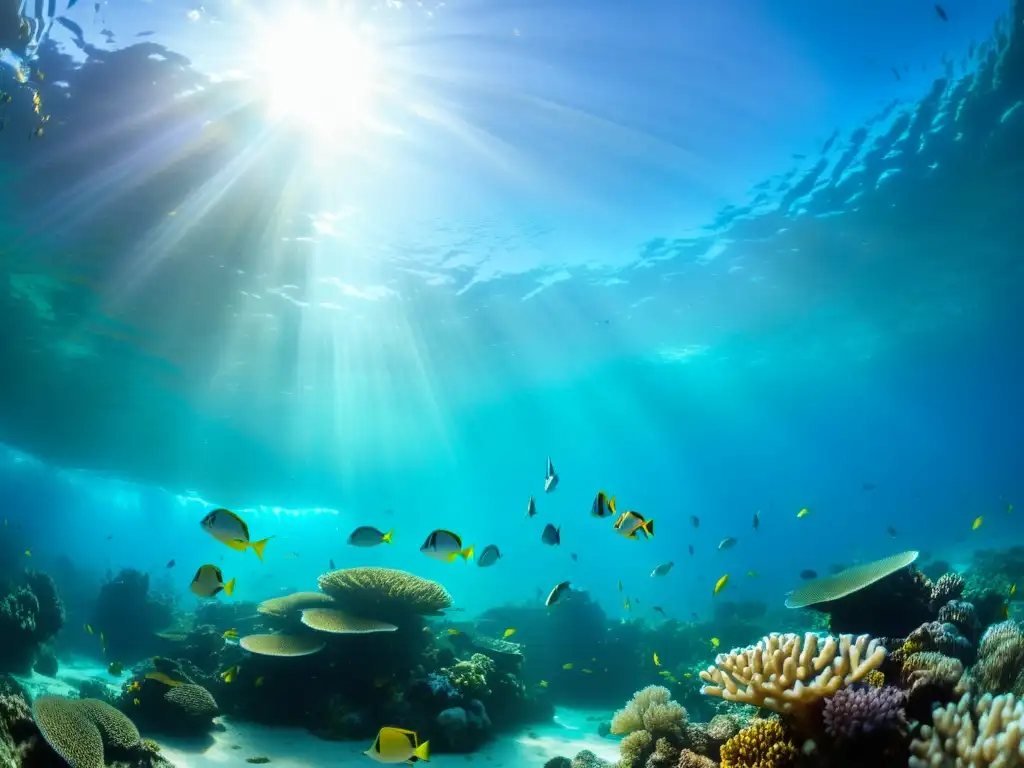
(858, 711)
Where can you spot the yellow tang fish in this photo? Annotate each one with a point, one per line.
(715, 642)
(397, 745)
(229, 529)
(657, 661)
(229, 674)
(977, 522)
(1013, 590)
(509, 632)
(135, 702)
(567, 666)
(720, 584)
(803, 513)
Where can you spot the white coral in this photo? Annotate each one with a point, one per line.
(783, 672)
(990, 736)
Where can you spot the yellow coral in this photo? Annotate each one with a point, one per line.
(788, 672)
(762, 745)
(874, 678)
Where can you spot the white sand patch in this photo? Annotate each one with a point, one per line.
(297, 748)
(69, 677)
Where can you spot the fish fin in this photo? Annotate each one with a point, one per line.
(611, 504)
(648, 526)
(423, 751)
(450, 558)
(257, 547)
(386, 538)
(229, 588)
(467, 553)
(239, 545)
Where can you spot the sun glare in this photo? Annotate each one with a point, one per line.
(316, 71)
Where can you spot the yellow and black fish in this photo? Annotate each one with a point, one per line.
(209, 580)
(445, 546)
(398, 745)
(228, 528)
(603, 506)
(631, 524)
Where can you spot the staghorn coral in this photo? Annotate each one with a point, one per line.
(787, 672)
(987, 734)
(762, 745)
(950, 586)
(1000, 660)
(856, 712)
(384, 592)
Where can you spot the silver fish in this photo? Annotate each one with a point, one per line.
(368, 536)
(551, 536)
(556, 592)
(531, 508)
(445, 546)
(489, 556)
(727, 543)
(550, 478)
(662, 569)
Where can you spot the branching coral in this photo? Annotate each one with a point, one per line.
(785, 672)
(856, 712)
(762, 745)
(985, 735)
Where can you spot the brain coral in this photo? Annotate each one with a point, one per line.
(367, 588)
(786, 672)
(762, 745)
(192, 700)
(77, 728)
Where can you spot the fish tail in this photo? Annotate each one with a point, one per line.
(229, 588)
(611, 504)
(387, 537)
(423, 751)
(257, 547)
(649, 527)
(467, 553)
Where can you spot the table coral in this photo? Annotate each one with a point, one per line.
(788, 672)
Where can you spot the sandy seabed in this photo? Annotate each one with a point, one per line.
(571, 731)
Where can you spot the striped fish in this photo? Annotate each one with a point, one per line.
(38, 18)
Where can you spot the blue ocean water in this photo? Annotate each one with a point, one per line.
(755, 256)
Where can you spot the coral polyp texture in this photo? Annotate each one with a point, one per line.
(363, 589)
(78, 729)
(762, 745)
(856, 712)
(973, 733)
(784, 672)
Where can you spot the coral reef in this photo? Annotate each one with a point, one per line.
(762, 745)
(860, 712)
(384, 593)
(128, 615)
(972, 734)
(784, 672)
(1000, 665)
(31, 613)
